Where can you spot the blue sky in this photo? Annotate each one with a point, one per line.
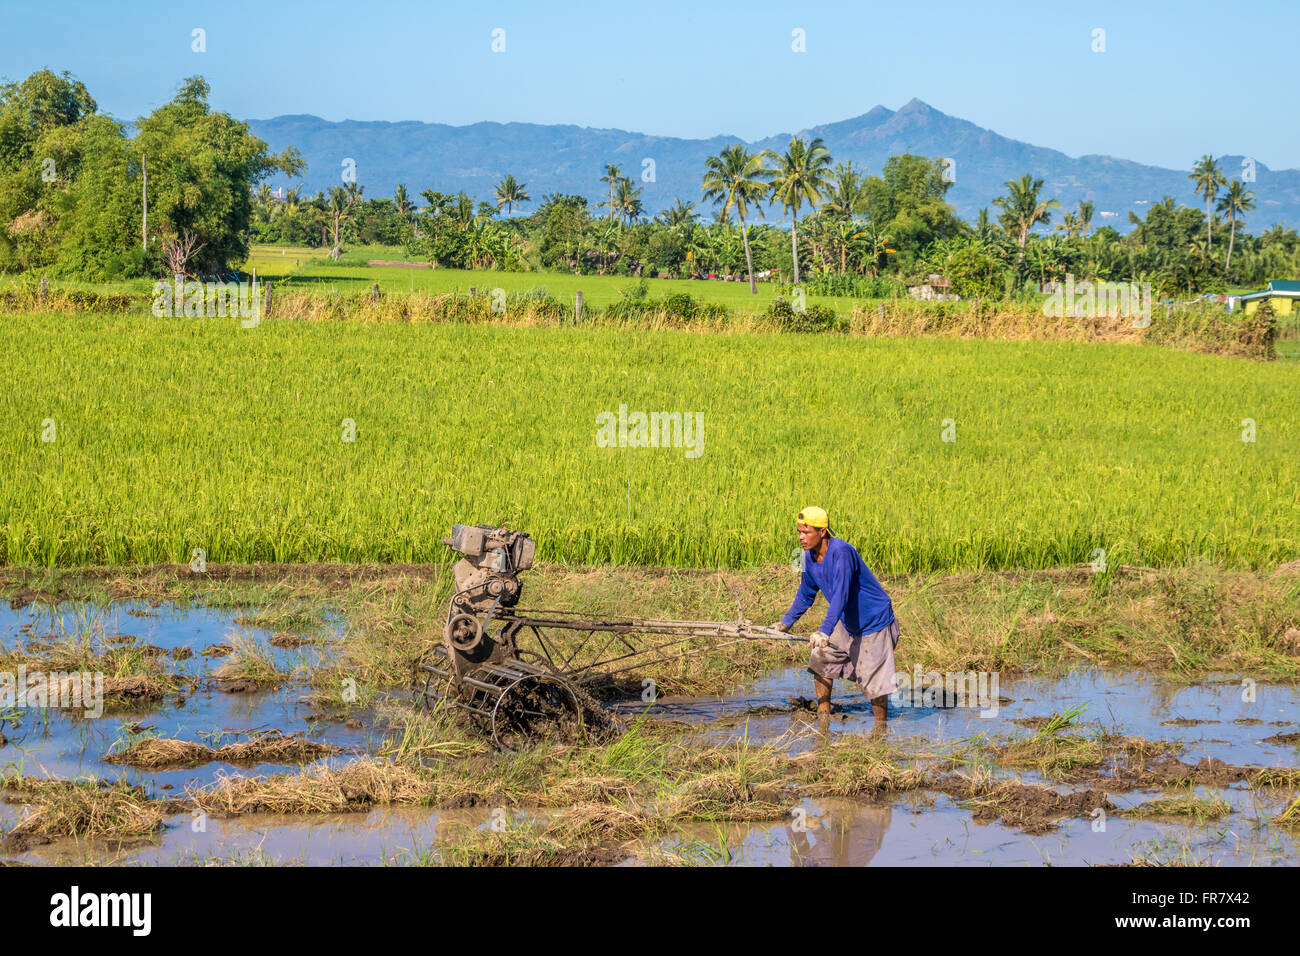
(1176, 79)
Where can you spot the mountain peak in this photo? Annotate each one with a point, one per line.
(916, 106)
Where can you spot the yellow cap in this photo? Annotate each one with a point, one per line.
(813, 517)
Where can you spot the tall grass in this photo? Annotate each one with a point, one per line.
(176, 434)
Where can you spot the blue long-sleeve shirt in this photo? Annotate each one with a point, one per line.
(852, 592)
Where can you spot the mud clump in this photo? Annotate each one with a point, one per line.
(1029, 808)
(1186, 722)
(1207, 772)
(238, 685)
(218, 650)
(1290, 740)
(289, 641)
(28, 596)
(22, 842)
(792, 705)
(138, 688)
(157, 754)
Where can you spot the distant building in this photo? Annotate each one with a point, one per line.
(1280, 292)
(937, 288)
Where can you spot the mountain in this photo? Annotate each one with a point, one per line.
(571, 159)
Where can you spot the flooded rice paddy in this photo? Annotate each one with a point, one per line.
(1215, 719)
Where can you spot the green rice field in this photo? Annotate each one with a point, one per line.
(176, 434)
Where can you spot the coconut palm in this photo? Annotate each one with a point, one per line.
(1207, 178)
(627, 201)
(1071, 226)
(612, 176)
(735, 179)
(803, 173)
(1022, 209)
(1086, 209)
(679, 214)
(510, 194)
(1235, 201)
(402, 202)
(847, 195)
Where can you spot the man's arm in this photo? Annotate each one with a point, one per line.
(837, 592)
(803, 600)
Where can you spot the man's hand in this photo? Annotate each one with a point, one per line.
(819, 640)
(782, 627)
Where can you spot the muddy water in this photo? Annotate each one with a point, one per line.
(922, 829)
(1210, 717)
(57, 744)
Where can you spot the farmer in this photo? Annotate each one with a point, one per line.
(857, 639)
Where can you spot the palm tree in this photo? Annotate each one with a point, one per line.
(1208, 178)
(735, 178)
(612, 176)
(1071, 226)
(1021, 207)
(338, 211)
(628, 201)
(402, 202)
(1236, 200)
(848, 194)
(510, 194)
(1086, 209)
(679, 214)
(802, 173)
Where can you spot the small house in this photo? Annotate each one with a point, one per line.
(1280, 292)
(936, 288)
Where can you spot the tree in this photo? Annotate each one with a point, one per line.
(203, 167)
(627, 201)
(803, 173)
(906, 201)
(1236, 201)
(339, 210)
(735, 178)
(845, 233)
(510, 194)
(1022, 209)
(678, 214)
(402, 204)
(1207, 178)
(612, 176)
(1086, 209)
(847, 194)
(65, 198)
(179, 250)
